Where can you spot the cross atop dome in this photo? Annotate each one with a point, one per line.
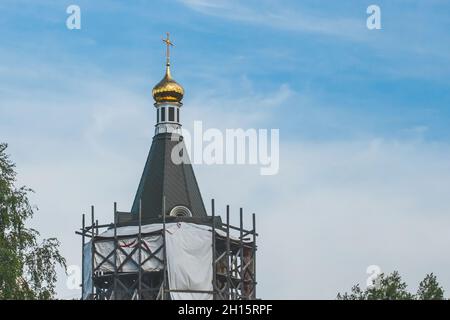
(168, 44)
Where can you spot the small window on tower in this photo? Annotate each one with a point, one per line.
(163, 114)
(157, 115)
(171, 114)
(178, 115)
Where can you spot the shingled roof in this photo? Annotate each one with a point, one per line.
(162, 177)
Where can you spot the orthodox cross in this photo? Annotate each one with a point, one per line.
(168, 44)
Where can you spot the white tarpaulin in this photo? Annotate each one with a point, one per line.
(188, 250)
(189, 261)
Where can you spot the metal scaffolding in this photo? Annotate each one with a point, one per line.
(233, 261)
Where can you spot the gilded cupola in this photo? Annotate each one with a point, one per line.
(168, 90)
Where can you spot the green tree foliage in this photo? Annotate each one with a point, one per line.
(391, 287)
(429, 289)
(27, 266)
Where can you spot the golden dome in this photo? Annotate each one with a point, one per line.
(168, 90)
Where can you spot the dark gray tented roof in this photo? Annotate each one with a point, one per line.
(163, 177)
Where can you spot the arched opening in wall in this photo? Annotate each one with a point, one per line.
(180, 211)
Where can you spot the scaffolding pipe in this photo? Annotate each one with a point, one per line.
(140, 251)
(254, 255)
(214, 269)
(92, 251)
(228, 253)
(241, 224)
(82, 255)
(115, 253)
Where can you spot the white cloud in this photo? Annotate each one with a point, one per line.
(408, 46)
(277, 16)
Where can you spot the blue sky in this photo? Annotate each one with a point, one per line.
(358, 76)
(362, 115)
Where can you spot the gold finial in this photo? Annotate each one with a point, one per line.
(168, 90)
(168, 44)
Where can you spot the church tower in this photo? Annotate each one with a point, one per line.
(167, 246)
(162, 178)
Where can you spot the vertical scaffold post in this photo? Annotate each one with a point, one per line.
(254, 255)
(115, 253)
(83, 224)
(227, 256)
(164, 247)
(140, 252)
(92, 252)
(241, 244)
(214, 267)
